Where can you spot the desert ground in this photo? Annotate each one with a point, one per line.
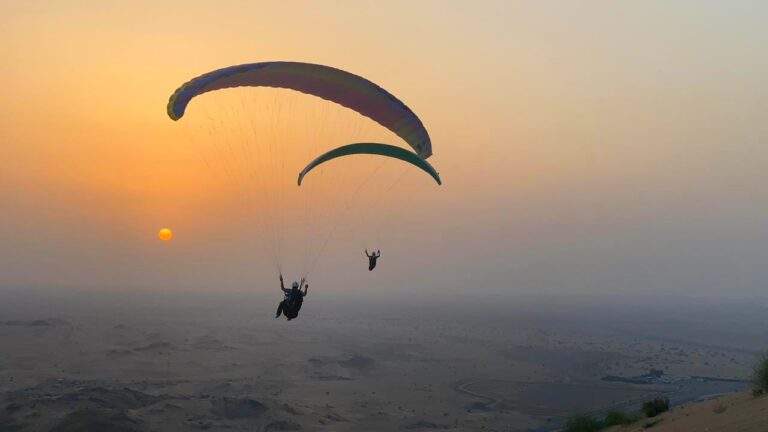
(75, 360)
(741, 412)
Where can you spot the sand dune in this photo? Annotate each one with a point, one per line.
(733, 413)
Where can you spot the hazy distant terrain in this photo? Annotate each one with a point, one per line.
(162, 361)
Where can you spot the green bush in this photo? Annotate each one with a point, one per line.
(583, 423)
(652, 408)
(760, 376)
(614, 418)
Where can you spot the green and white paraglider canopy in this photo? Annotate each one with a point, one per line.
(373, 149)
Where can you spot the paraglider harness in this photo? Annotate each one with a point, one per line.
(293, 304)
(293, 300)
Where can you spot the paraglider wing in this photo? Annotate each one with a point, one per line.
(346, 89)
(374, 149)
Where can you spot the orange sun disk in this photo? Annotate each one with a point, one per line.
(165, 234)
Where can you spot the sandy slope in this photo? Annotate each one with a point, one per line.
(732, 413)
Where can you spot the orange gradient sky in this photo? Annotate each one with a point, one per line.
(585, 146)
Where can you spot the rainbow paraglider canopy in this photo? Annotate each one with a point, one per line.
(344, 88)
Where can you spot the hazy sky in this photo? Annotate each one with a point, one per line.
(586, 146)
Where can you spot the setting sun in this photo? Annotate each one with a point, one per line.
(165, 234)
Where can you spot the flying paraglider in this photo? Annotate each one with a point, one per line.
(254, 161)
(294, 298)
(372, 257)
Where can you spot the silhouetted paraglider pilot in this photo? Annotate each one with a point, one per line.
(372, 259)
(293, 300)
